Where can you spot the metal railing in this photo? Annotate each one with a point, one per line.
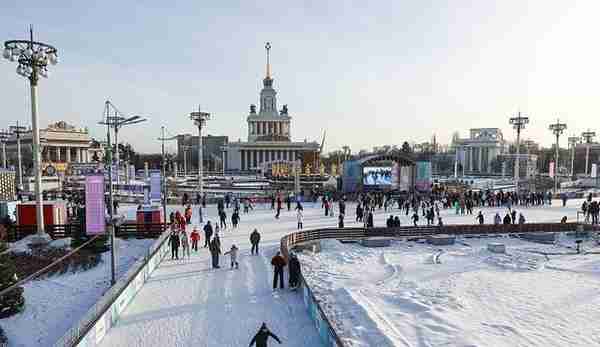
(291, 240)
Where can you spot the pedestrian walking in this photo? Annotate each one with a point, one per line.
(233, 252)
(278, 263)
(262, 336)
(254, 240)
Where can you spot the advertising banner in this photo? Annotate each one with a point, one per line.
(551, 169)
(423, 180)
(594, 170)
(155, 186)
(94, 205)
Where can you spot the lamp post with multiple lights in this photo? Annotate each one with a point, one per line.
(200, 118)
(114, 122)
(164, 169)
(557, 128)
(518, 123)
(573, 141)
(33, 59)
(588, 136)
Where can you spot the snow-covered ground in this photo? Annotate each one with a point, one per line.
(53, 305)
(415, 294)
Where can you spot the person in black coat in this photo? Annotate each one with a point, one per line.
(262, 336)
(208, 231)
(294, 269)
(215, 250)
(254, 240)
(174, 242)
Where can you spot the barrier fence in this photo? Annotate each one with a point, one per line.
(93, 326)
(324, 326)
(13, 233)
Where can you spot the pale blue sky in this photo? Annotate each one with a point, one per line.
(369, 72)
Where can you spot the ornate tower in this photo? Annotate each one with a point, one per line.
(268, 95)
(269, 124)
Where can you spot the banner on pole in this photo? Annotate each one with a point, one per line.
(551, 170)
(95, 222)
(155, 186)
(594, 170)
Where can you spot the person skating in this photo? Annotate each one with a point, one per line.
(300, 217)
(507, 220)
(223, 218)
(370, 222)
(521, 218)
(479, 217)
(415, 218)
(235, 219)
(341, 221)
(254, 240)
(215, 250)
(294, 271)
(188, 214)
(278, 264)
(233, 252)
(208, 231)
(185, 244)
(174, 242)
(497, 219)
(262, 336)
(195, 237)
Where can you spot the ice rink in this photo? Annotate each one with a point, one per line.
(186, 303)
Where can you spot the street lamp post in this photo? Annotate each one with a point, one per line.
(164, 169)
(557, 128)
(573, 140)
(33, 58)
(200, 118)
(18, 130)
(4, 135)
(588, 136)
(518, 123)
(114, 122)
(185, 150)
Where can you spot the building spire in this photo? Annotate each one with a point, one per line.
(268, 48)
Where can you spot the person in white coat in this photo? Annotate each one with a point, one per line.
(185, 244)
(233, 252)
(300, 217)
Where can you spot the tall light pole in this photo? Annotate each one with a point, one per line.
(33, 58)
(518, 123)
(114, 122)
(200, 118)
(164, 169)
(557, 128)
(18, 130)
(4, 136)
(573, 141)
(588, 136)
(185, 150)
